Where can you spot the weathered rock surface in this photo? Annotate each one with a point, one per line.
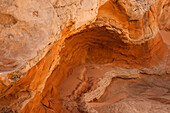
(164, 15)
(84, 56)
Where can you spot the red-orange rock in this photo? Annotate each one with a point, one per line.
(73, 51)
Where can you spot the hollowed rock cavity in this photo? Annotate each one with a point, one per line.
(86, 58)
(80, 56)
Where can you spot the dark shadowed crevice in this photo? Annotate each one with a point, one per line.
(7, 19)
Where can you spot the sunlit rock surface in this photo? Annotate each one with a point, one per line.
(94, 56)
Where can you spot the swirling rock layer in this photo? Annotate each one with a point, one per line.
(83, 56)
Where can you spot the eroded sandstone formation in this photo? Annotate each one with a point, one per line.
(92, 56)
(164, 14)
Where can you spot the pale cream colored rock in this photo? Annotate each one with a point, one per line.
(21, 42)
(38, 23)
(136, 9)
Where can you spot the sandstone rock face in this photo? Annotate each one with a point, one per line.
(25, 30)
(100, 56)
(164, 21)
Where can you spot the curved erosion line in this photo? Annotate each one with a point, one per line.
(106, 81)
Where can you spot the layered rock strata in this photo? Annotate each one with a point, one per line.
(61, 56)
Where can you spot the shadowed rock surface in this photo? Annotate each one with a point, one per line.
(84, 56)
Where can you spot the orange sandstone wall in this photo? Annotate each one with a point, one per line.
(118, 33)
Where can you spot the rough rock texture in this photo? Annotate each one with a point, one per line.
(84, 56)
(164, 15)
